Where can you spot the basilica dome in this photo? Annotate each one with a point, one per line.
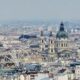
(62, 33)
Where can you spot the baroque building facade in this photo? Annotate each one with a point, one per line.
(58, 46)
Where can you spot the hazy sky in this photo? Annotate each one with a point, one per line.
(39, 9)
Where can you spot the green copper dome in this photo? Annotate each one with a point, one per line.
(62, 33)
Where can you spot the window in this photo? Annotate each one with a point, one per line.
(51, 41)
(42, 49)
(62, 45)
(51, 50)
(42, 41)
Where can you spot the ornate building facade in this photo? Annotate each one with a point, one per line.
(58, 46)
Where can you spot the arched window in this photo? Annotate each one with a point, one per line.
(51, 50)
(62, 45)
(42, 41)
(51, 41)
(42, 49)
